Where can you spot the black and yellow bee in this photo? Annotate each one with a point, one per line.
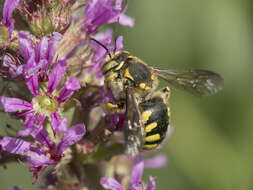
(133, 85)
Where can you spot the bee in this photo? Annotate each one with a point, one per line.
(133, 84)
(147, 123)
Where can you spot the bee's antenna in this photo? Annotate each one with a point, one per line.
(115, 37)
(107, 50)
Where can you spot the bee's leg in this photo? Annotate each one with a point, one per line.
(114, 91)
(112, 108)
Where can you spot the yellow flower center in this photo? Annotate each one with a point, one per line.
(44, 104)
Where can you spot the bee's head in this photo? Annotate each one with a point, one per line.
(120, 56)
(114, 61)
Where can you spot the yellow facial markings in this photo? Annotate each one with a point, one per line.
(128, 75)
(152, 77)
(145, 116)
(153, 138)
(142, 85)
(150, 146)
(109, 66)
(120, 65)
(147, 88)
(131, 57)
(150, 127)
(111, 76)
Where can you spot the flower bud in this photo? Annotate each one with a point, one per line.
(46, 16)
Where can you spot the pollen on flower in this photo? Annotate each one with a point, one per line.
(44, 104)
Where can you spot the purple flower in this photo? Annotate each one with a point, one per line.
(16, 188)
(9, 6)
(135, 182)
(45, 102)
(98, 13)
(43, 152)
(11, 66)
(157, 161)
(37, 58)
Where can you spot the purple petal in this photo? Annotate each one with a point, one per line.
(9, 6)
(118, 4)
(42, 49)
(16, 188)
(44, 65)
(99, 75)
(158, 161)
(38, 150)
(100, 53)
(32, 122)
(29, 120)
(125, 20)
(25, 132)
(38, 160)
(71, 136)
(137, 172)
(98, 13)
(58, 125)
(56, 74)
(13, 69)
(41, 135)
(56, 37)
(32, 68)
(47, 47)
(68, 89)
(14, 145)
(75, 17)
(14, 104)
(110, 183)
(26, 46)
(119, 43)
(151, 184)
(32, 84)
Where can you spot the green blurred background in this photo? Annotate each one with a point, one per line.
(212, 144)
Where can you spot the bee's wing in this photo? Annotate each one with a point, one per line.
(133, 125)
(197, 82)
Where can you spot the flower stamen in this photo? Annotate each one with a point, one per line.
(44, 104)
